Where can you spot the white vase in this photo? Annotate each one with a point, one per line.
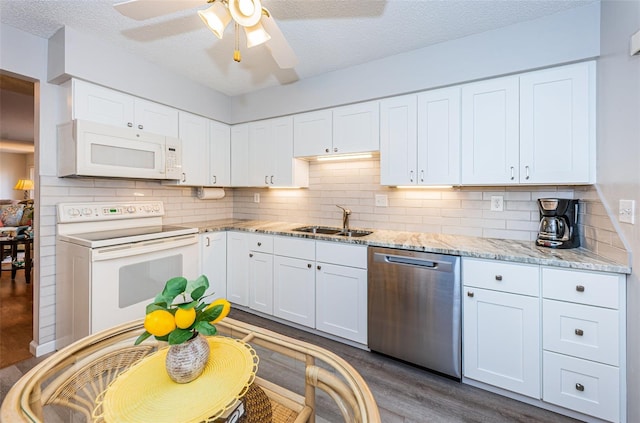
(187, 361)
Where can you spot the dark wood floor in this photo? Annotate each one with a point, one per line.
(405, 394)
(16, 317)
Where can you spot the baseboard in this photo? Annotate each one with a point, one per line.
(41, 349)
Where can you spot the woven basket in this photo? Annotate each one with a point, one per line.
(186, 361)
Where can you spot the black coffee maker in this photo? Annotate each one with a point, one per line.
(558, 223)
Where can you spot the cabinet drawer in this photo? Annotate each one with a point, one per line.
(259, 242)
(500, 276)
(582, 331)
(581, 287)
(294, 247)
(342, 254)
(581, 385)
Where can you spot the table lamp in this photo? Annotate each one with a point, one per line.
(26, 185)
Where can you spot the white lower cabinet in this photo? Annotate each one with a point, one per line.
(294, 296)
(501, 325)
(213, 262)
(261, 282)
(238, 268)
(341, 290)
(584, 334)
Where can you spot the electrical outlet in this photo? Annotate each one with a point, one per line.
(497, 203)
(382, 200)
(256, 198)
(627, 211)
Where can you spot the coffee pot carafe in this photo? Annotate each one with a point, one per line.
(558, 223)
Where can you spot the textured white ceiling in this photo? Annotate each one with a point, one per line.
(325, 34)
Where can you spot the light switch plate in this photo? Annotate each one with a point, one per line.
(627, 211)
(256, 197)
(382, 200)
(497, 203)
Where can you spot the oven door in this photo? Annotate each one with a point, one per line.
(125, 278)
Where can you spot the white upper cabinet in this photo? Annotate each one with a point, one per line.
(535, 128)
(398, 140)
(557, 125)
(356, 128)
(240, 155)
(341, 130)
(194, 133)
(490, 131)
(103, 105)
(420, 139)
(270, 153)
(219, 154)
(312, 133)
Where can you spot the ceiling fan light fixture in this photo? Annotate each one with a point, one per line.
(256, 35)
(217, 17)
(246, 12)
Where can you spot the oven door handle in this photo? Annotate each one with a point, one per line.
(142, 247)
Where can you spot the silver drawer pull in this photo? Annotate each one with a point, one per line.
(470, 294)
(579, 288)
(580, 387)
(498, 277)
(579, 332)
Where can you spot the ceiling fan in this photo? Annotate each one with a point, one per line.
(256, 21)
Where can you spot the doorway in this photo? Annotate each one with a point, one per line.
(17, 175)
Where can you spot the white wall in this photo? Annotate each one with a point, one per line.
(12, 167)
(564, 37)
(619, 156)
(121, 70)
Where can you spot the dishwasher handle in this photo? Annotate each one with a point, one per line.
(442, 266)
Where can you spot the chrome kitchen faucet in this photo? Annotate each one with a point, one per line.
(345, 218)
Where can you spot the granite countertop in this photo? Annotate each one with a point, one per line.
(465, 246)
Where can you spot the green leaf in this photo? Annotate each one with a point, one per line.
(194, 287)
(206, 328)
(154, 307)
(178, 336)
(164, 338)
(197, 293)
(142, 337)
(187, 306)
(210, 314)
(173, 288)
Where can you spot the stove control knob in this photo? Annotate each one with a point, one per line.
(86, 211)
(131, 209)
(73, 212)
(156, 207)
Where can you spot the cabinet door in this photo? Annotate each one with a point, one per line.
(261, 282)
(501, 344)
(102, 105)
(260, 153)
(194, 133)
(439, 137)
(238, 268)
(294, 295)
(341, 301)
(219, 154)
(490, 152)
(312, 133)
(240, 155)
(356, 128)
(398, 140)
(557, 129)
(281, 145)
(213, 262)
(156, 118)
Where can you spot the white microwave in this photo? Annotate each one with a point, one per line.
(94, 149)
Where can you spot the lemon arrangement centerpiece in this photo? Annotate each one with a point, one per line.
(180, 316)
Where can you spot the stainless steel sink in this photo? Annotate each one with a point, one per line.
(328, 230)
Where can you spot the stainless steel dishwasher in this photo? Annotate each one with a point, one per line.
(414, 308)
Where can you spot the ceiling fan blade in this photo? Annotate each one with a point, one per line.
(280, 49)
(147, 9)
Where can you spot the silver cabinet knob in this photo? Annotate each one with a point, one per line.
(259, 244)
(579, 332)
(140, 127)
(250, 255)
(335, 149)
(580, 387)
(470, 294)
(319, 267)
(130, 124)
(498, 277)
(309, 266)
(326, 150)
(579, 288)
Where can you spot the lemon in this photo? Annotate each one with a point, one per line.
(226, 306)
(159, 323)
(185, 317)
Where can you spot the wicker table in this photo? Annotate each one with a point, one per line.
(71, 382)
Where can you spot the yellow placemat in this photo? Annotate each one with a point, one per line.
(145, 393)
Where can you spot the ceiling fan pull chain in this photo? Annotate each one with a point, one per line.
(236, 50)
